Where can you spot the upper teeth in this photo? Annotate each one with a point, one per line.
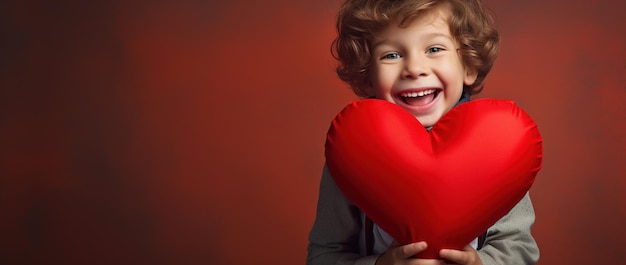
(414, 94)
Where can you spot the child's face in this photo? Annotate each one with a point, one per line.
(419, 68)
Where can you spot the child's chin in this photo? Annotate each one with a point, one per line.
(426, 121)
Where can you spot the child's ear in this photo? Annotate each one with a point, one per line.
(470, 76)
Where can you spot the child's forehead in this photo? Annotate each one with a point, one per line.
(429, 23)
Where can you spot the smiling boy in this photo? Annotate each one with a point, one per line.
(426, 56)
(418, 67)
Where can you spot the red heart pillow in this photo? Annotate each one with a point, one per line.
(446, 186)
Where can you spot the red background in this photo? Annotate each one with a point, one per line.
(192, 133)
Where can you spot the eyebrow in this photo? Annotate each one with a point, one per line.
(437, 34)
(427, 36)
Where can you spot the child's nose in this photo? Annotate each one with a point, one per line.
(414, 67)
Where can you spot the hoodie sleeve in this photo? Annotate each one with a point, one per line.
(509, 241)
(335, 236)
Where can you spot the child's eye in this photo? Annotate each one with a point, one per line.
(434, 49)
(390, 56)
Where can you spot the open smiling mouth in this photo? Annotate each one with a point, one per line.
(418, 98)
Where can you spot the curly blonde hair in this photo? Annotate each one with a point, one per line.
(358, 22)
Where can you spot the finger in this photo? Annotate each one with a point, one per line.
(465, 256)
(410, 250)
(456, 256)
(427, 262)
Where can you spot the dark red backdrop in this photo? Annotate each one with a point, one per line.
(192, 132)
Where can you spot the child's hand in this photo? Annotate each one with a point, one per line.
(467, 256)
(403, 255)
